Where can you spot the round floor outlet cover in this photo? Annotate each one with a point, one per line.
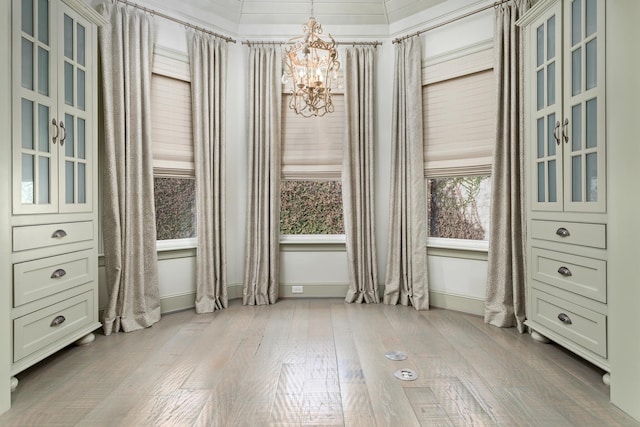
(406, 374)
(396, 355)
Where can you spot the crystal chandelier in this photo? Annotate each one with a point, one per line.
(312, 67)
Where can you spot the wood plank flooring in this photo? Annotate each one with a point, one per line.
(314, 362)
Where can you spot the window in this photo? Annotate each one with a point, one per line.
(311, 207)
(459, 116)
(172, 137)
(175, 208)
(458, 208)
(311, 189)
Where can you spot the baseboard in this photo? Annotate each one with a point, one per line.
(234, 291)
(438, 299)
(178, 302)
(463, 303)
(173, 303)
(314, 290)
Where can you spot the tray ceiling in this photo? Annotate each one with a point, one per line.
(334, 12)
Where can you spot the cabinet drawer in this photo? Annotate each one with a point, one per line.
(582, 326)
(574, 233)
(581, 275)
(37, 279)
(40, 236)
(37, 330)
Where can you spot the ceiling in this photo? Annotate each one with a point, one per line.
(335, 12)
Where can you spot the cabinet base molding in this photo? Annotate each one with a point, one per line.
(87, 339)
(538, 337)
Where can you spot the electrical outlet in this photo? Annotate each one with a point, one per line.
(297, 290)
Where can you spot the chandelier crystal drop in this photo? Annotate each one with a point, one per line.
(311, 65)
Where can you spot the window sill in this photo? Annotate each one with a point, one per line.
(176, 244)
(312, 238)
(458, 248)
(458, 244)
(313, 242)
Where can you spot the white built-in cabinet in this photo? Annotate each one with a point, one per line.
(565, 153)
(54, 209)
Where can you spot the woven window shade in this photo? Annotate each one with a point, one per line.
(312, 147)
(459, 125)
(171, 126)
(171, 132)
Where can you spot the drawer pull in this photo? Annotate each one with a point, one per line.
(59, 320)
(562, 232)
(564, 271)
(564, 319)
(58, 273)
(58, 234)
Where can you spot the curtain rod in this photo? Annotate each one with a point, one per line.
(259, 43)
(449, 21)
(171, 18)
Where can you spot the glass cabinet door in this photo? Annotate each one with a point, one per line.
(75, 151)
(35, 131)
(546, 106)
(583, 126)
(52, 155)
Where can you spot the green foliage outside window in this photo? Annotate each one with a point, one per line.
(455, 210)
(311, 207)
(175, 200)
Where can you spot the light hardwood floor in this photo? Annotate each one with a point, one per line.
(314, 362)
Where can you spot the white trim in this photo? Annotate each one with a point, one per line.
(436, 20)
(176, 244)
(314, 290)
(174, 54)
(312, 239)
(462, 303)
(461, 52)
(87, 11)
(458, 244)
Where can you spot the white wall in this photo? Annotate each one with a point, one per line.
(326, 272)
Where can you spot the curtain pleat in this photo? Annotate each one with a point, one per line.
(262, 269)
(506, 293)
(406, 280)
(126, 47)
(208, 59)
(357, 175)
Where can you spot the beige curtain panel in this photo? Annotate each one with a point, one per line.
(357, 175)
(129, 224)
(208, 59)
(506, 294)
(406, 281)
(262, 264)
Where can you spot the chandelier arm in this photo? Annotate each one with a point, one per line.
(311, 62)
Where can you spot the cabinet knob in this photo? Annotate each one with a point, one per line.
(564, 271)
(564, 319)
(59, 320)
(58, 234)
(562, 232)
(58, 273)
